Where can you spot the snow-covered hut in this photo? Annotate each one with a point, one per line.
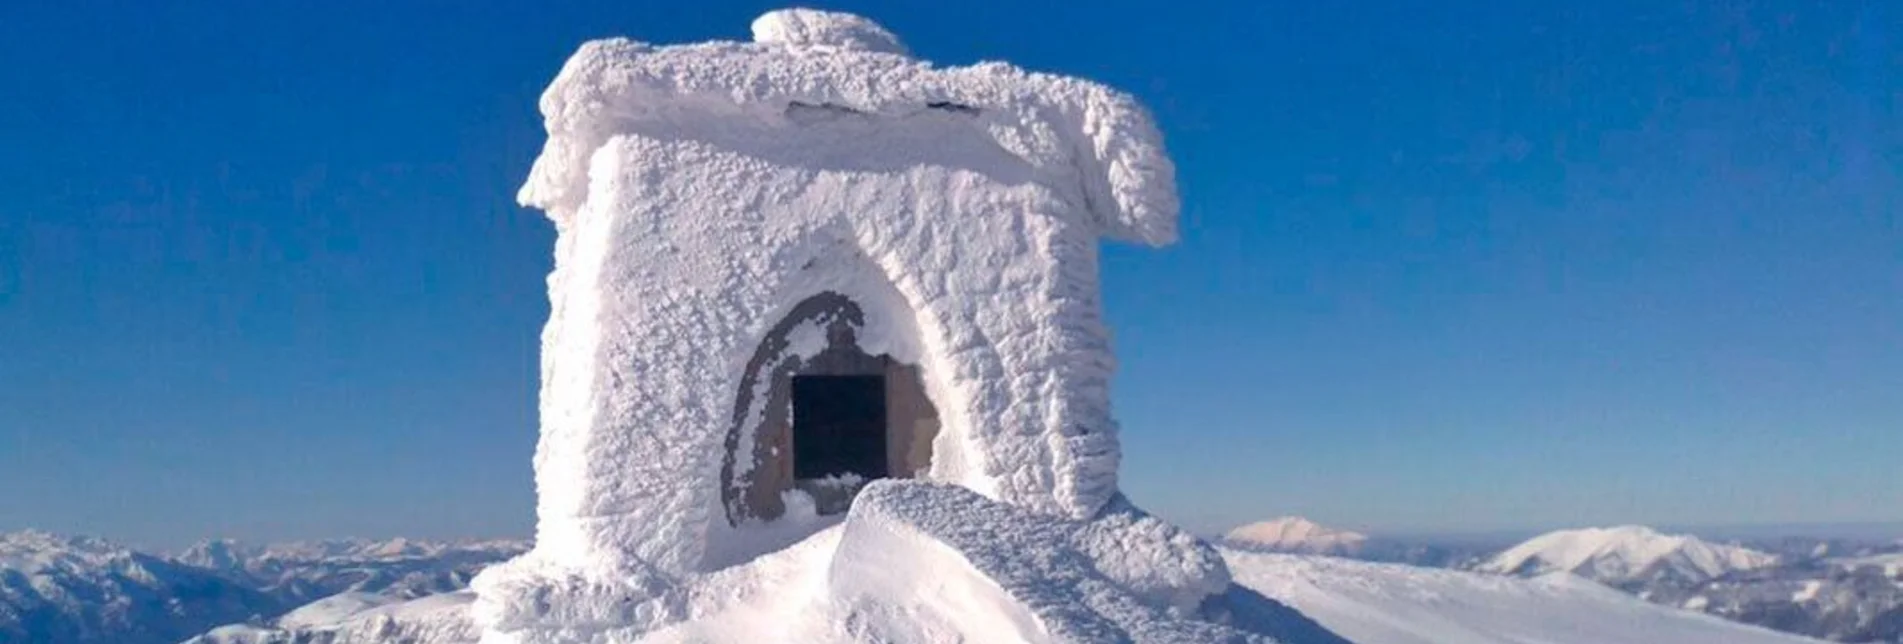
(799, 262)
(790, 266)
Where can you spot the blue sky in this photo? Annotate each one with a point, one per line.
(1446, 266)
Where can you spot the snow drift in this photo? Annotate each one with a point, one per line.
(926, 562)
(1377, 603)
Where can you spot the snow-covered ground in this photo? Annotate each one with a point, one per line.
(357, 618)
(1838, 588)
(928, 562)
(825, 590)
(1376, 603)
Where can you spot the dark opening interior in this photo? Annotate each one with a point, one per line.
(839, 426)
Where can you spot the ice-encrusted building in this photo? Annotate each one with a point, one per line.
(788, 266)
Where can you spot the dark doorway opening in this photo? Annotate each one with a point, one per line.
(839, 427)
(859, 417)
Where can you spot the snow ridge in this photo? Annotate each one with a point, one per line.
(1082, 134)
(1625, 554)
(353, 618)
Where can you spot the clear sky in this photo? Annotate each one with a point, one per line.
(1446, 265)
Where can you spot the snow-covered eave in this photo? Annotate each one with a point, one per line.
(1096, 136)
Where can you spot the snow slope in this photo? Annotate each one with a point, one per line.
(1625, 554)
(356, 618)
(1296, 534)
(1374, 603)
(333, 609)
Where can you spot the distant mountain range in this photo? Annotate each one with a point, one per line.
(77, 590)
(73, 590)
(1297, 535)
(1836, 589)
(304, 571)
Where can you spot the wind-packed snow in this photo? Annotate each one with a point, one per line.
(1622, 554)
(1295, 534)
(1375, 603)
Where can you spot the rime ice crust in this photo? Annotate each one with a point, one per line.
(701, 191)
(808, 27)
(1095, 146)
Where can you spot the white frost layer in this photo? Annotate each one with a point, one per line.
(1094, 143)
(701, 191)
(808, 27)
(1372, 603)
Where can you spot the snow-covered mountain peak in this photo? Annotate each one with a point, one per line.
(216, 554)
(1625, 553)
(33, 552)
(1295, 534)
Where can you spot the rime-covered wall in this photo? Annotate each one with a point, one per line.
(700, 191)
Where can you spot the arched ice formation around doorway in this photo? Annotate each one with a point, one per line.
(815, 413)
